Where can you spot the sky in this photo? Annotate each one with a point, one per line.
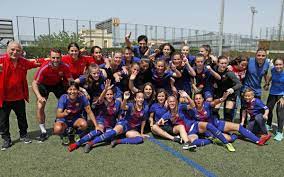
(195, 14)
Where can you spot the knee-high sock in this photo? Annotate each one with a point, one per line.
(215, 112)
(233, 138)
(280, 117)
(201, 142)
(135, 140)
(107, 135)
(228, 114)
(248, 134)
(88, 137)
(217, 133)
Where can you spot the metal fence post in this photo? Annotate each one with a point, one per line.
(77, 28)
(18, 29)
(90, 32)
(34, 28)
(156, 33)
(136, 31)
(63, 25)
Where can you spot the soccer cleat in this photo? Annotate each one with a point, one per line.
(88, 147)
(42, 137)
(278, 136)
(72, 147)
(177, 139)
(113, 143)
(6, 144)
(25, 139)
(189, 146)
(268, 127)
(264, 139)
(77, 137)
(230, 147)
(65, 141)
(214, 140)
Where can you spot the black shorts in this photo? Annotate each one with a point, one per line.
(168, 129)
(58, 90)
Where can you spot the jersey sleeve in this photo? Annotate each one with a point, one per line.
(82, 79)
(152, 108)
(166, 116)
(62, 102)
(235, 80)
(261, 104)
(85, 101)
(34, 64)
(182, 107)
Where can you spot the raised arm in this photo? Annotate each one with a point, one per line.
(131, 82)
(188, 100)
(126, 96)
(103, 94)
(189, 68)
(127, 40)
(213, 73)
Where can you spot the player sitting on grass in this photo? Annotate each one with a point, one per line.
(157, 110)
(202, 110)
(109, 109)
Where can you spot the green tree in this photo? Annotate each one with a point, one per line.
(57, 40)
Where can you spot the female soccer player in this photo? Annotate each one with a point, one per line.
(187, 72)
(77, 63)
(276, 96)
(109, 110)
(203, 78)
(161, 76)
(202, 110)
(135, 116)
(228, 83)
(157, 110)
(210, 59)
(69, 113)
(174, 118)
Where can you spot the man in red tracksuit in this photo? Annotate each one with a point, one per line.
(14, 91)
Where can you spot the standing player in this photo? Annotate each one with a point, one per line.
(228, 83)
(276, 96)
(49, 78)
(77, 62)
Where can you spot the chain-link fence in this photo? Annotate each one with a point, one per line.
(111, 33)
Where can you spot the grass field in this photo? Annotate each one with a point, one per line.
(149, 159)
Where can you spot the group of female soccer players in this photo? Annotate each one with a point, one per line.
(175, 95)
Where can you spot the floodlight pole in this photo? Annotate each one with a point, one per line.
(221, 23)
(253, 11)
(280, 21)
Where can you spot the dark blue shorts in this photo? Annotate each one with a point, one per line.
(69, 122)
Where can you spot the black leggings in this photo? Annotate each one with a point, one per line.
(271, 101)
